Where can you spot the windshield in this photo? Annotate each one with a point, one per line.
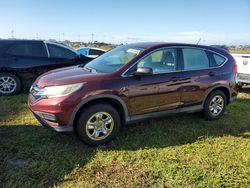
(114, 59)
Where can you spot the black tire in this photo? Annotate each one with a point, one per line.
(17, 81)
(208, 114)
(86, 115)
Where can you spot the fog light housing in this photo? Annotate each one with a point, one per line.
(47, 116)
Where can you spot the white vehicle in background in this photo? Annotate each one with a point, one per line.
(90, 52)
(243, 64)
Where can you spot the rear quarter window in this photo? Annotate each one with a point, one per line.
(60, 52)
(219, 60)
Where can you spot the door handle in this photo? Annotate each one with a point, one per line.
(211, 73)
(174, 78)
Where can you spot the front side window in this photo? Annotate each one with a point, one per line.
(114, 59)
(60, 52)
(194, 59)
(27, 49)
(161, 61)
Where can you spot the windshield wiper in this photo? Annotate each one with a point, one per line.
(89, 69)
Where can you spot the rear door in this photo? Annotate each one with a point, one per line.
(61, 56)
(196, 75)
(28, 58)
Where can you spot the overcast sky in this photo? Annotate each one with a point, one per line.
(116, 21)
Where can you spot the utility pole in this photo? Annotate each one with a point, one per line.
(92, 40)
(12, 33)
(63, 37)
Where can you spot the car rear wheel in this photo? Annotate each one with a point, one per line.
(98, 124)
(10, 84)
(215, 105)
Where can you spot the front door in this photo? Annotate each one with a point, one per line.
(159, 91)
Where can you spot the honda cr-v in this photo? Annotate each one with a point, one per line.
(131, 83)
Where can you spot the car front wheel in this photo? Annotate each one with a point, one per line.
(98, 124)
(215, 105)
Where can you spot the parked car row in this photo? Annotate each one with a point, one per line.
(22, 61)
(132, 83)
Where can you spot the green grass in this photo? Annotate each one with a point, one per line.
(240, 51)
(176, 151)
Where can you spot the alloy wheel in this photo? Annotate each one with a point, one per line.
(99, 126)
(216, 105)
(7, 85)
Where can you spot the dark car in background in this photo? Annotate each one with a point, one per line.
(22, 61)
(132, 83)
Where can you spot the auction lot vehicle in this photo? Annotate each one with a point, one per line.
(90, 52)
(132, 83)
(22, 61)
(243, 63)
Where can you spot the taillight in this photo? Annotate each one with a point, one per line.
(235, 69)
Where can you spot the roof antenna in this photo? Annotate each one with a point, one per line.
(198, 41)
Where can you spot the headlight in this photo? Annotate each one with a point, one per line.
(58, 91)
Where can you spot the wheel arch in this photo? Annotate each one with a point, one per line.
(224, 89)
(112, 100)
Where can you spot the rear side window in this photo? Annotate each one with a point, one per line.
(33, 49)
(60, 52)
(219, 60)
(194, 59)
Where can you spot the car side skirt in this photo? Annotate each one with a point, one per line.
(137, 118)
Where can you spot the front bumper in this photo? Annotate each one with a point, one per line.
(52, 125)
(53, 113)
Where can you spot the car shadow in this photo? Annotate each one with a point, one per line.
(245, 90)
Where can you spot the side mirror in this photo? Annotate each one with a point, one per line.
(143, 71)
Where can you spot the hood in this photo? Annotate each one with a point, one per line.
(64, 76)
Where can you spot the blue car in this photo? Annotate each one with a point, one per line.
(90, 52)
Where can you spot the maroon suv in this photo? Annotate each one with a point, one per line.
(132, 83)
